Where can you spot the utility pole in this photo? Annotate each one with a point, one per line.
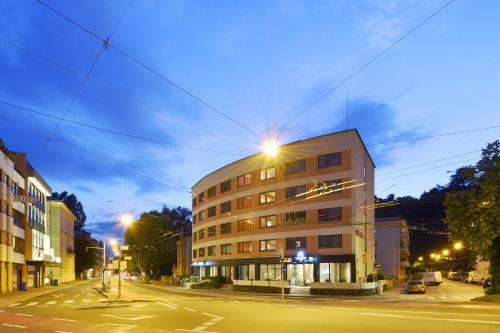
(103, 248)
(119, 272)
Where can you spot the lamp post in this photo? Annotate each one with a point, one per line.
(103, 248)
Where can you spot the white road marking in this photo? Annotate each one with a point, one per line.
(86, 300)
(432, 318)
(63, 332)
(208, 323)
(309, 309)
(127, 317)
(69, 301)
(214, 316)
(12, 305)
(51, 302)
(412, 311)
(24, 314)
(189, 309)
(58, 295)
(167, 305)
(16, 326)
(32, 303)
(77, 295)
(200, 328)
(63, 319)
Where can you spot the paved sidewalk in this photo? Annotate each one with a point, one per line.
(20, 296)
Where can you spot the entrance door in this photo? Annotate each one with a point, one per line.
(300, 274)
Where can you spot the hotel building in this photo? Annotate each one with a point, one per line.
(306, 204)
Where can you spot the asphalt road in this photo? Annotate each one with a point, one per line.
(153, 309)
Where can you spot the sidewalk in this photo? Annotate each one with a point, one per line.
(20, 296)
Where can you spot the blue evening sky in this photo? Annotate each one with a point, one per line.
(260, 62)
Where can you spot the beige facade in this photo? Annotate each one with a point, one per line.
(184, 248)
(307, 201)
(12, 219)
(392, 247)
(61, 230)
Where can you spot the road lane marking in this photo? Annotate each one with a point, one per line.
(413, 311)
(86, 300)
(432, 318)
(62, 332)
(32, 303)
(189, 309)
(126, 317)
(24, 314)
(51, 302)
(309, 309)
(12, 325)
(59, 295)
(167, 305)
(12, 305)
(214, 316)
(63, 319)
(68, 301)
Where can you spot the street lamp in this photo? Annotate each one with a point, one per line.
(458, 246)
(420, 258)
(432, 255)
(437, 257)
(126, 219)
(446, 253)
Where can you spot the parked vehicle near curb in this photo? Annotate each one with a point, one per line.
(433, 278)
(474, 277)
(415, 286)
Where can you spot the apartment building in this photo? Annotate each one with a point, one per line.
(307, 204)
(12, 220)
(392, 247)
(61, 230)
(38, 251)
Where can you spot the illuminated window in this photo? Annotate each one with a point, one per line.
(329, 160)
(201, 252)
(268, 245)
(244, 225)
(267, 197)
(296, 217)
(267, 173)
(211, 250)
(245, 202)
(244, 180)
(267, 221)
(225, 249)
(244, 247)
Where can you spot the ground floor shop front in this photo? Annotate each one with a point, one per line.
(339, 268)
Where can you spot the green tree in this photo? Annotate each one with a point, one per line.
(472, 213)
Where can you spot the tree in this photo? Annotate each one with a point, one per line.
(472, 213)
(75, 206)
(152, 239)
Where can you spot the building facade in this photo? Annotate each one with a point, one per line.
(392, 247)
(38, 252)
(307, 205)
(184, 250)
(12, 222)
(61, 230)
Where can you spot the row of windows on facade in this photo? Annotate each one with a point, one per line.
(269, 245)
(324, 161)
(325, 215)
(14, 188)
(292, 192)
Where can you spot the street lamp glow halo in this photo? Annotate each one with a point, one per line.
(126, 219)
(458, 246)
(270, 148)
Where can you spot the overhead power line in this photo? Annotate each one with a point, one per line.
(107, 130)
(150, 69)
(369, 62)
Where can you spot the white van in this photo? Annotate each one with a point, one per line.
(434, 278)
(475, 277)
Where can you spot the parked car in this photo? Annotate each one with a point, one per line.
(433, 278)
(474, 277)
(415, 286)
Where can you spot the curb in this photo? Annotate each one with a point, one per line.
(100, 292)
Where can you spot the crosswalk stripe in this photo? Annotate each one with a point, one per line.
(51, 302)
(68, 301)
(32, 303)
(12, 305)
(86, 300)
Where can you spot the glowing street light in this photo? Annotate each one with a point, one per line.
(420, 258)
(437, 256)
(126, 219)
(433, 255)
(446, 252)
(270, 148)
(458, 246)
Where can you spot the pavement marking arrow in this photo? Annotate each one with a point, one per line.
(127, 317)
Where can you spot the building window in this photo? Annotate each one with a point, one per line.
(201, 252)
(194, 202)
(267, 173)
(18, 244)
(335, 272)
(267, 221)
(295, 167)
(225, 228)
(194, 219)
(270, 272)
(296, 217)
(225, 249)
(245, 180)
(295, 191)
(329, 160)
(268, 245)
(267, 197)
(225, 186)
(244, 247)
(201, 215)
(211, 192)
(194, 236)
(211, 211)
(330, 241)
(245, 202)
(194, 253)
(244, 225)
(296, 243)
(201, 197)
(201, 234)
(211, 231)
(330, 215)
(225, 207)
(211, 250)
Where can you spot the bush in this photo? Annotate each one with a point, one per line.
(209, 282)
(369, 278)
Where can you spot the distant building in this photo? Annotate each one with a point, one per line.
(392, 247)
(184, 248)
(12, 224)
(38, 252)
(61, 225)
(309, 201)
